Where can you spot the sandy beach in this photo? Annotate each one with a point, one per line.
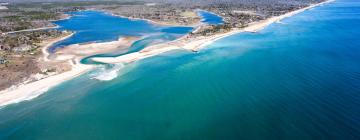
(75, 53)
(48, 43)
(199, 42)
(79, 51)
(71, 54)
(34, 89)
(28, 91)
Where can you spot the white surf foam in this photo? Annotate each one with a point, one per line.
(29, 96)
(107, 73)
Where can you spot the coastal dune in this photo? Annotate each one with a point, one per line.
(73, 56)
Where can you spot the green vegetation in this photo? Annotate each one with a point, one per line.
(213, 29)
(40, 15)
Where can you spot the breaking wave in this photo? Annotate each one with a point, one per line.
(107, 72)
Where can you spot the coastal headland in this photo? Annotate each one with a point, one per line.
(73, 54)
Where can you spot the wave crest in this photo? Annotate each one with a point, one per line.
(107, 72)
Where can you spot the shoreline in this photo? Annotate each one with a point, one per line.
(67, 16)
(73, 55)
(152, 21)
(46, 53)
(197, 10)
(30, 30)
(146, 20)
(27, 91)
(80, 51)
(34, 89)
(197, 44)
(259, 25)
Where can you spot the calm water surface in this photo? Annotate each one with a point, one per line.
(95, 26)
(210, 18)
(296, 80)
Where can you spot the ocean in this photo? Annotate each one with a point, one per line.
(297, 79)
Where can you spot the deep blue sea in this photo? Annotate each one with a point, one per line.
(298, 79)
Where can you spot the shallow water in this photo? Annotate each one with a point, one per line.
(95, 26)
(298, 79)
(89, 26)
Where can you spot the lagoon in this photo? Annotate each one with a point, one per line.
(210, 18)
(96, 26)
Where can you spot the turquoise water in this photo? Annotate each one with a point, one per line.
(167, 34)
(297, 80)
(210, 18)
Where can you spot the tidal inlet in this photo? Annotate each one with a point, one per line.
(180, 70)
